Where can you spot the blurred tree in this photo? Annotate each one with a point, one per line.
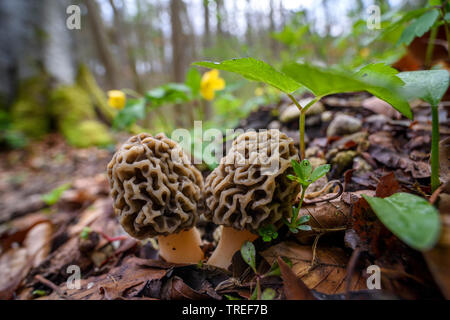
(123, 33)
(101, 43)
(207, 29)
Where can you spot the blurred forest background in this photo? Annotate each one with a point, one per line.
(55, 79)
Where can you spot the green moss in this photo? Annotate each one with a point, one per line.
(76, 118)
(88, 133)
(29, 113)
(86, 80)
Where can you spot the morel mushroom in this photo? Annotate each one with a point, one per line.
(156, 192)
(246, 192)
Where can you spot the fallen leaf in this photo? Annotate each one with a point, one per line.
(14, 265)
(294, 288)
(328, 276)
(387, 186)
(38, 242)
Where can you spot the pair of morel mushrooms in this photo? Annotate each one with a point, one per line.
(158, 192)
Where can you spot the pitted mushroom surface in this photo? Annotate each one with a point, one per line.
(156, 191)
(247, 192)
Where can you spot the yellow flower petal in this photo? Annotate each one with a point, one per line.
(116, 99)
(218, 84)
(210, 83)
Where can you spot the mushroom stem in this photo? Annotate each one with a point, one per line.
(230, 242)
(182, 247)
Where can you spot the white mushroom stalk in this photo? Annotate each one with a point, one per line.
(182, 247)
(242, 196)
(230, 241)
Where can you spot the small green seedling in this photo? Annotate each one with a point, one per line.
(275, 268)
(268, 233)
(304, 175)
(248, 253)
(84, 234)
(430, 86)
(411, 218)
(53, 196)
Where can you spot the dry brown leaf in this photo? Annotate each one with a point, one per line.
(122, 282)
(38, 242)
(438, 259)
(294, 288)
(14, 265)
(329, 276)
(326, 215)
(17, 229)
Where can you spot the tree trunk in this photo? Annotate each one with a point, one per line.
(207, 28)
(177, 52)
(122, 34)
(101, 43)
(273, 41)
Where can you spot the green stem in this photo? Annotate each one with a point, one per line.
(430, 47)
(302, 134)
(435, 148)
(301, 127)
(302, 196)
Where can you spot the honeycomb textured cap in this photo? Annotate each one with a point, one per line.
(250, 189)
(156, 191)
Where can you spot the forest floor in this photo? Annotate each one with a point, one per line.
(44, 233)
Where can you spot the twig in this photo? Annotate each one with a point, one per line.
(52, 286)
(350, 269)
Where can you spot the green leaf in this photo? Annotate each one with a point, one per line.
(255, 70)
(419, 26)
(323, 82)
(39, 293)
(293, 230)
(319, 172)
(429, 85)
(248, 253)
(399, 23)
(304, 219)
(379, 74)
(275, 268)
(254, 295)
(53, 196)
(304, 227)
(447, 17)
(193, 80)
(268, 294)
(229, 297)
(268, 232)
(384, 83)
(295, 211)
(168, 93)
(133, 111)
(302, 170)
(411, 218)
(84, 234)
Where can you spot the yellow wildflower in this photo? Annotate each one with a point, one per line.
(116, 99)
(364, 52)
(259, 91)
(210, 83)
